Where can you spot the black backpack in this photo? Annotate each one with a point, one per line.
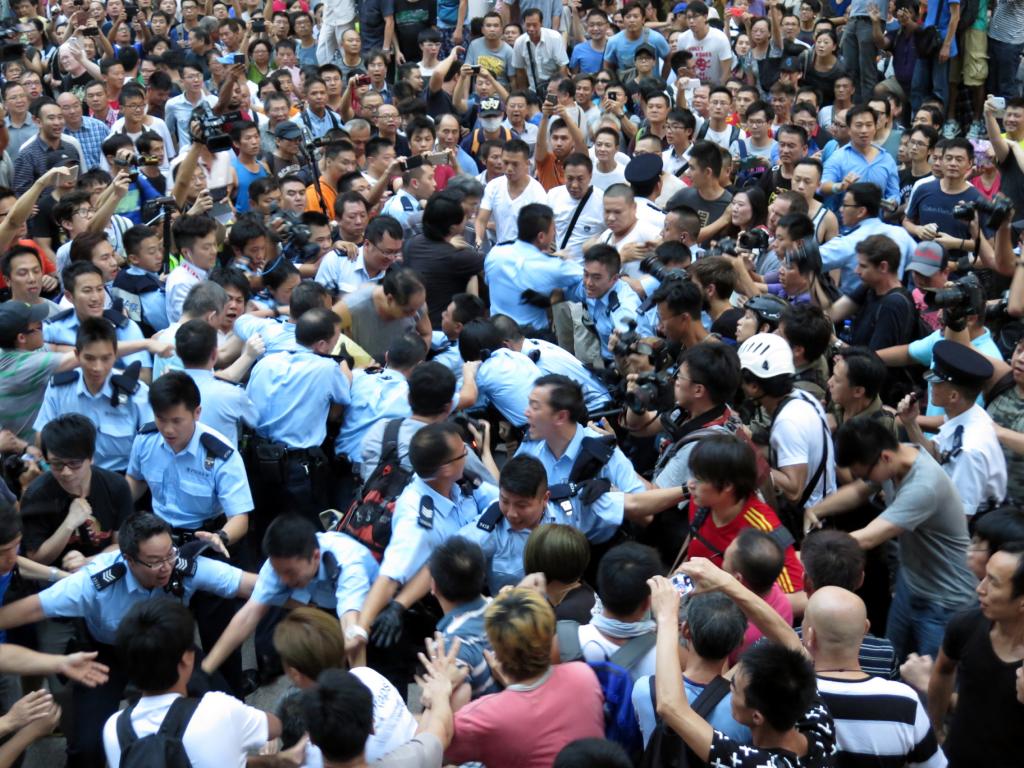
(666, 749)
(368, 520)
(163, 749)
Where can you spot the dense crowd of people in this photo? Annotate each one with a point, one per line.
(530, 383)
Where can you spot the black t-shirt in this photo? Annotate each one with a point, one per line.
(45, 505)
(709, 211)
(983, 731)
(444, 270)
(725, 325)
(883, 321)
(411, 17)
(43, 225)
(1011, 181)
(816, 725)
(774, 182)
(907, 182)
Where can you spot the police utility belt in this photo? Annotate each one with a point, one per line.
(272, 458)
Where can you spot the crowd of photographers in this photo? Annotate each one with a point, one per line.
(646, 383)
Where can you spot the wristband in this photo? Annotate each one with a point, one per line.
(223, 535)
(354, 631)
(54, 574)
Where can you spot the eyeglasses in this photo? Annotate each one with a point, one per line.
(58, 465)
(603, 80)
(83, 212)
(133, 106)
(915, 143)
(460, 457)
(756, 123)
(169, 560)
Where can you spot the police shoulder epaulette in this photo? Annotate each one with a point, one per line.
(63, 315)
(331, 565)
(116, 318)
(64, 378)
(534, 354)
(214, 445)
(108, 576)
(488, 521)
(425, 516)
(187, 564)
(148, 428)
(506, 242)
(613, 301)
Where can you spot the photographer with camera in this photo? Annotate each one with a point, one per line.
(932, 211)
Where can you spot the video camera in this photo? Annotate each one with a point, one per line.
(11, 47)
(753, 240)
(211, 127)
(651, 265)
(296, 236)
(998, 210)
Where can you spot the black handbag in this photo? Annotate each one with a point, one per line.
(927, 40)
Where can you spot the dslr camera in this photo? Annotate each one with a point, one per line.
(654, 391)
(630, 342)
(296, 236)
(11, 48)
(998, 210)
(965, 297)
(652, 266)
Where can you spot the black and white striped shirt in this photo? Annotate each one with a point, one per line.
(879, 723)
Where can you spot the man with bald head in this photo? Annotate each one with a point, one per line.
(875, 719)
(90, 132)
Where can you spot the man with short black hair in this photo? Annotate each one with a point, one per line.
(156, 644)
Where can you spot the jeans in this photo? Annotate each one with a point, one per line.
(931, 78)
(858, 51)
(1003, 63)
(916, 624)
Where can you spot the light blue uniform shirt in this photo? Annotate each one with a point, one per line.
(840, 252)
(151, 306)
(505, 380)
(515, 267)
(192, 486)
(345, 591)
(116, 426)
(293, 392)
(921, 351)
(339, 274)
(62, 328)
(226, 406)
(411, 544)
(610, 508)
(720, 718)
(400, 206)
(881, 171)
(553, 359)
(375, 396)
(277, 332)
(450, 357)
(611, 311)
(104, 609)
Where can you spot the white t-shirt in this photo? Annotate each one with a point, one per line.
(597, 648)
(641, 232)
(708, 54)
(589, 223)
(721, 138)
(797, 438)
(504, 210)
(603, 180)
(219, 735)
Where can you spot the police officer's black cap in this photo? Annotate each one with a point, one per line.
(958, 364)
(644, 168)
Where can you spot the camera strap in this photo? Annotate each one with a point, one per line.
(576, 216)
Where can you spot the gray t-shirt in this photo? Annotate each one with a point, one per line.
(369, 330)
(933, 547)
(23, 379)
(498, 63)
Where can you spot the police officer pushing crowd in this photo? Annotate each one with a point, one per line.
(472, 362)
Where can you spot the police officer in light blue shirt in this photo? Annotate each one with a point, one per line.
(226, 406)
(100, 594)
(434, 506)
(551, 358)
(523, 505)
(116, 402)
(503, 378)
(524, 267)
(295, 393)
(84, 288)
(379, 394)
(583, 465)
(332, 571)
(417, 184)
(608, 302)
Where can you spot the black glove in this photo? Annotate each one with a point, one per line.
(387, 627)
(592, 490)
(343, 355)
(534, 299)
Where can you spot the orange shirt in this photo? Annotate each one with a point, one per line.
(550, 172)
(330, 195)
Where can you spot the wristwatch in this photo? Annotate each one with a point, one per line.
(223, 536)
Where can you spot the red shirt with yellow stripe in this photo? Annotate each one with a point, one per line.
(712, 540)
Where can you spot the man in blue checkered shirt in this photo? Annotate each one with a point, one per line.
(89, 131)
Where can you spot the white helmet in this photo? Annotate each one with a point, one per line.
(766, 355)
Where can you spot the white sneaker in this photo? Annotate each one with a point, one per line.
(951, 129)
(977, 131)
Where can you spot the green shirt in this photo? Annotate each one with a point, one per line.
(23, 379)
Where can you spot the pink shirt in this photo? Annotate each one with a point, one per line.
(780, 603)
(527, 729)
